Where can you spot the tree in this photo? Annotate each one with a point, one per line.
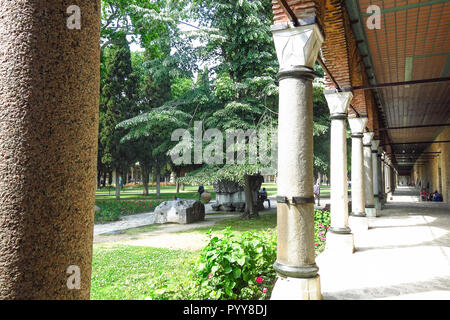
(117, 104)
(237, 38)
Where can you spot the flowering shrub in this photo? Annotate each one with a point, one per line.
(112, 210)
(242, 268)
(237, 268)
(322, 221)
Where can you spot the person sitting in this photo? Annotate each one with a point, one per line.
(264, 196)
(176, 198)
(423, 195)
(437, 196)
(200, 190)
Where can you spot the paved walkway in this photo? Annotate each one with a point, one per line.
(404, 254)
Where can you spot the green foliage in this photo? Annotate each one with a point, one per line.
(321, 131)
(116, 104)
(237, 269)
(242, 268)
(112, 210)
(322, 222)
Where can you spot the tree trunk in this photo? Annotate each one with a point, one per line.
(145, 179)
(251, 208)
(99, 179)
(158, 184)
(117, 185)
(104, 179)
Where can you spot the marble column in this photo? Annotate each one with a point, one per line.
(368, 175)
(49, 97)
(380, 177)
(375, 175)
(297, 49)
(339, 236)
(358, 197)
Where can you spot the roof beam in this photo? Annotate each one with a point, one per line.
(408, 6)
(414, 127)
(395, 84)
(416, 142)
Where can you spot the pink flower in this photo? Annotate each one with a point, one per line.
(328, 228)
(123, 211)
(209, 276)
(259, 280)
(143, 207)
(315, 244)
(264, 290)
(322, 238)
(321, 233)
(124, 207)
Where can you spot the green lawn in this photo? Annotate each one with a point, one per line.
(268, 220)
(136, 273)
(129, 272)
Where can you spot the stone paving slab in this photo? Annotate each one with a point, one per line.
(404, 255)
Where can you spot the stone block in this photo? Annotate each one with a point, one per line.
(339, 244)
(371, 212)
(297, 289)
(180, 211)
(358, 224)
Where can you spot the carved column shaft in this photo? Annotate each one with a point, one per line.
(358, 197)
(49, 97)
(297, 49)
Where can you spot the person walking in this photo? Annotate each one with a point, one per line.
(317, 192)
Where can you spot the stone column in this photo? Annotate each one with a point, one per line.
(49, 97)
(368, 175)
(375, 175)
(339, 237)
(297, 49)
(380, 176)
(358, 201)
(388, 179)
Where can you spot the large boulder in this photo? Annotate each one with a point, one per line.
(180, 211)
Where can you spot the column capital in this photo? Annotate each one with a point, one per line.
(367, 139)
(338, 103)
(375, 144)
(297, 46)
(357, 124)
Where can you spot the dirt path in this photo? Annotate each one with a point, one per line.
(167, 235)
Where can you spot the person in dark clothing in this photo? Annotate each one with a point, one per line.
(264, 196)
(201, 189)
(437, 196)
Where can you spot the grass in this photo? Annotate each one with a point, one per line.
(268, 220)
(135, 273)
(121, 272)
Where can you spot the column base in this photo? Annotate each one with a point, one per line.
(287, 288)
(371, 212)
(358, 223)
(377, 203)
(339, 244)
